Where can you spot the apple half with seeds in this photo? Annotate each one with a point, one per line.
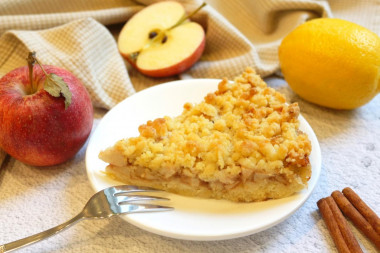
(160, 41)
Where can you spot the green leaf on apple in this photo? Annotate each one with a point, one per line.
(55, 86)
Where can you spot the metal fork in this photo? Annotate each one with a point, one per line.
(103, 204)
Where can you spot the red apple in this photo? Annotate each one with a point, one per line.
(160, 42)
(35, 127)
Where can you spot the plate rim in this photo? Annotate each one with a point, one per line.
(315, 171)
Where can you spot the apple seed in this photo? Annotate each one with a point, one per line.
(152, 35)
(54, 85)
(155, 37)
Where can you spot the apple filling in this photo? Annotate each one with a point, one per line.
(235, 189)
(242, 143)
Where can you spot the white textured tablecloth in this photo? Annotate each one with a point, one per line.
(34, 199)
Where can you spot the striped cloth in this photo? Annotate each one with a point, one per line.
(73, 35)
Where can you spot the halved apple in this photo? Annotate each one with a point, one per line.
(160, 42)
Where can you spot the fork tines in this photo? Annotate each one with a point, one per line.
(140, 208)
(130, 203)
(120, 189)
(133, 198)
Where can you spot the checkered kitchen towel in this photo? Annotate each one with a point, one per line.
(72, 35)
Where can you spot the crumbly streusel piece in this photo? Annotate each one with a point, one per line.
(242, 143)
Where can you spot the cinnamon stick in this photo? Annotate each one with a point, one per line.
(344, 228)
(360, 222)
(363, 208)
(332, 226)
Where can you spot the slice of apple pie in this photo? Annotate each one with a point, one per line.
(242, 143)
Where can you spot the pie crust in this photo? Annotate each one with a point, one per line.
(241, 143)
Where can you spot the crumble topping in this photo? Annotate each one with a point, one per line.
(242, 131)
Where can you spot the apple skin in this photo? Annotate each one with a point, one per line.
(36, 129)
(153, 56)
(176, 69)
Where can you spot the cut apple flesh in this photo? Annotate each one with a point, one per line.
(135, 34)
(180, 44)
(160, 42)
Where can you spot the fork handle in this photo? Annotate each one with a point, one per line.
(40, 236)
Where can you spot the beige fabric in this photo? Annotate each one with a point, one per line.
(80, 44)
(34, 199)
(84, 47)
(67, 35)
(227, 51)
(74, 40)
(41, 14)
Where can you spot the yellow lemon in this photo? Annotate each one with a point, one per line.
(332, 62)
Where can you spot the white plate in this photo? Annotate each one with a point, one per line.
(193, 218)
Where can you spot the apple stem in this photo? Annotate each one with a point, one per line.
(31, 61)
(185, 17)
(39, 64)
(53, 84)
